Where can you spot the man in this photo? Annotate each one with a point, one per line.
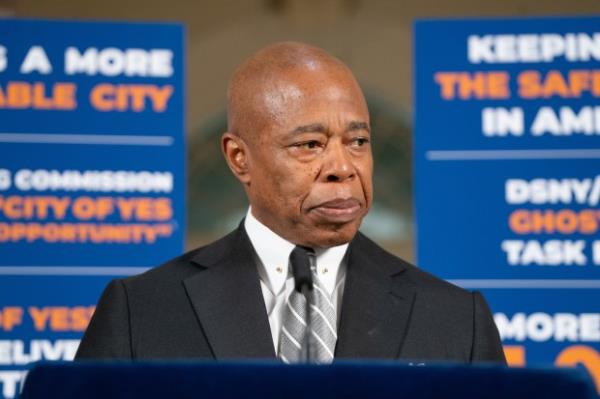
(298, 140)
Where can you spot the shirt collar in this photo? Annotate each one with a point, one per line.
(330, 266)
(273, 254)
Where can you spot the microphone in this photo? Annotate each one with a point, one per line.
(303, 283)
(301, 268)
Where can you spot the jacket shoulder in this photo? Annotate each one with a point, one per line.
(412, 275)
(183, 266)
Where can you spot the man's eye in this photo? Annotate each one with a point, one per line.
(360, 141)
(309, 145)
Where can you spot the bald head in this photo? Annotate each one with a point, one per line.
(264, 85)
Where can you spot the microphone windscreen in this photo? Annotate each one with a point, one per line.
(300, 262)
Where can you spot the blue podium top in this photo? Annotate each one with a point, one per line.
(347, 380)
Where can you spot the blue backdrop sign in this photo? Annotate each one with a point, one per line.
(507, 156)
(92, 174)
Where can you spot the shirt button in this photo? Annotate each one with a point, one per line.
(279, 269)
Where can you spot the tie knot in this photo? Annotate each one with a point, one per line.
(300, 261)
(308, 250)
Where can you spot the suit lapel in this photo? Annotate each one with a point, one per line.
(376, 304)
(227, 299)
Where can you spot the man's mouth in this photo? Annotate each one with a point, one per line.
(338, 210)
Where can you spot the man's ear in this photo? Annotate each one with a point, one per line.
(235, 151)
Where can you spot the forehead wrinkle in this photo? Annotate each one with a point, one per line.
(311, 128)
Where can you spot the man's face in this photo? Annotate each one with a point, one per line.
(311, 164)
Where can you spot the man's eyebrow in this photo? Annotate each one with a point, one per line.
(312, 128)
(355, 125)
(320, 128)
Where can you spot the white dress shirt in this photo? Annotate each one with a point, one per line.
(276, 280)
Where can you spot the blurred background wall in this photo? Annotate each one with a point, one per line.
(373, 37)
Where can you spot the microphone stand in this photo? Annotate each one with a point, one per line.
(307, 354)
(303, 283)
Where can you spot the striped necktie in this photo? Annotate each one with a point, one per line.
(323, 335)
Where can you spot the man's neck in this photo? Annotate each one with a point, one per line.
(273, 253)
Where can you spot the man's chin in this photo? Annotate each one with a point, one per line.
(332, 236)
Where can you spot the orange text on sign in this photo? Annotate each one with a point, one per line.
(105, 233)
(10, 317)
(130, 97)
(145, 209)
(86, 208)
(61, 318)
(34, 207)
(572, 84)
(37, 95)
(549, 221)
(478, 85)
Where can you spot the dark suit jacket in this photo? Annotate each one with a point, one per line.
(208, 304)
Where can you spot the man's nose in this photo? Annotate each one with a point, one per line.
(337, 165)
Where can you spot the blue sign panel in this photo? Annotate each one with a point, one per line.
(92, 173)
(507, 154)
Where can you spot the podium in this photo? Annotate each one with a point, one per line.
(265, 380)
